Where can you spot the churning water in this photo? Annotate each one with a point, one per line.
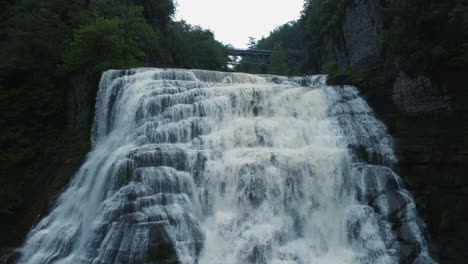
(192, 166)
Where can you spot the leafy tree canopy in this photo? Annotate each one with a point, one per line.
(112, 43)
(42, 44)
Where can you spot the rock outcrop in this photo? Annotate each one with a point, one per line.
(362, 28)
(418, 95)
(428, 119)
(357, 42)
(80, 96)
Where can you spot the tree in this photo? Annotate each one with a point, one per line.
(158, 13)
(279, 62)
(427, 35)
(43, 43)
(112, 43)
(32, 40)
(252, 44)
(194, 47)
(289, 36)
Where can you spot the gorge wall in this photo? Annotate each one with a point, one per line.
(426, 115)
(194, 166)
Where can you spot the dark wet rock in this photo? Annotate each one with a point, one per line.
(10, 257)
(357, 41)
(424, 259)
(408, 252)
(406, 233)
(344, 79)
(426, 116)
(251, 185)
(81, 97)
(418, 95)
(161, 247)
(371, 181)
(390, 203)
(259, 254)
(358, 221)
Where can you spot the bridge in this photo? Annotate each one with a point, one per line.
(257, 56)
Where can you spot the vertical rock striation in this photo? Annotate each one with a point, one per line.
(426, 117)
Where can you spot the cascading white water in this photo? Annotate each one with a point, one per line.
(192, 166)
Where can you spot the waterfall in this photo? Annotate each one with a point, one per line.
(192, 166)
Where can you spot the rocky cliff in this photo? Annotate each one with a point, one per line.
(427, 116)
(80, 99)
(357, 41)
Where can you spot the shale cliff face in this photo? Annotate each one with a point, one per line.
(357, 41)
(81, 97)
(427, 118)
(418, 95)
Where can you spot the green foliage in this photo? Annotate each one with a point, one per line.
(289, 36)
(285, 41)
(42, 43)
(278, 62)
(251, 68)
(157, 13)
(31, 40)
(305, 35)
(252, 44)
(320, 17)
(338, 76)
(112, 43)
(427, 36)
(331, 67)
(194, 47)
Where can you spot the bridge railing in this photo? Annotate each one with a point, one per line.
(240, 52)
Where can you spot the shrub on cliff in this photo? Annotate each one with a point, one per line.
(112, 43)
(427, 35)
(41, 43)
(278, 62)
(338, 76)
(194, 47)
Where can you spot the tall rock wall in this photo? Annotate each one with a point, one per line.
(80, 100)
(418, 95)
(357, 41)
(427, 117)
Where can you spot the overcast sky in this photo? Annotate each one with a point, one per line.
(233, 21)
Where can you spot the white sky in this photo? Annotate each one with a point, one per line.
(234, 21)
